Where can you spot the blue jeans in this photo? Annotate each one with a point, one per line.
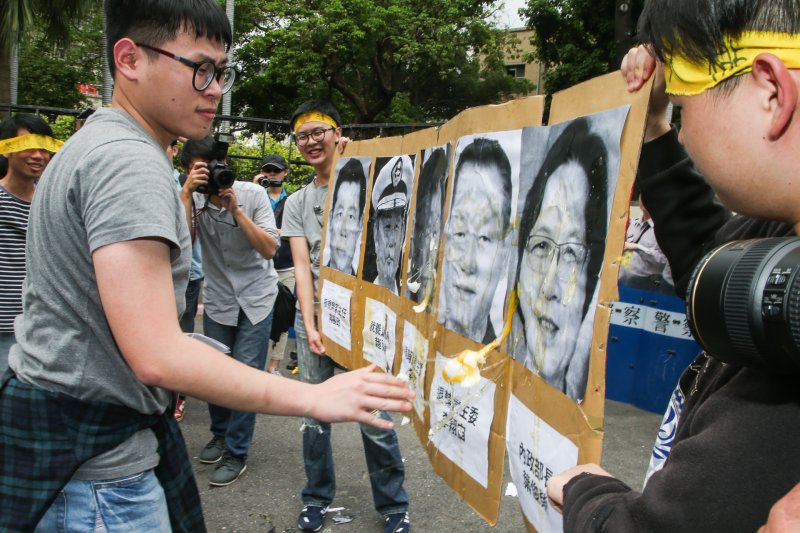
(381, 448)
(6, 340)
(128, 504)
(192, 296)
(248, 343)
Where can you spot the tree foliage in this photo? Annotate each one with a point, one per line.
(19, 20)
(378, 60)
(574, 39)
(49, 74)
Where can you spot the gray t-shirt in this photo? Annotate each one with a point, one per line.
(302, 217)
(111, 182)
(237, 275)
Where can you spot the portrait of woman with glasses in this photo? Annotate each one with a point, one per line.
(560, 254)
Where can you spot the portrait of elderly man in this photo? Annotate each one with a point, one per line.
(427, 230)
(346, 215)
(476, 240)
(387, 223)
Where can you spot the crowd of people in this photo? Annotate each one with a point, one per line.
(104, 249)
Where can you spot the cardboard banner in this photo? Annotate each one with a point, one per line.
(427, 236)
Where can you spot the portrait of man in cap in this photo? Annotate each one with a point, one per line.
(387, 223)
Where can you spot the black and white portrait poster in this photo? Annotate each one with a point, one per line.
(386, 228)
(568, 179)
(477, 234)
(346, 215)
(428, 224)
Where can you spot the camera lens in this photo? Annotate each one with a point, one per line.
(743, 303)
(222, 176)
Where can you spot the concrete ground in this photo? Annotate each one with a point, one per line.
(267, 496)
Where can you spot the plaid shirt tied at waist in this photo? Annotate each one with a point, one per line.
(45, 436)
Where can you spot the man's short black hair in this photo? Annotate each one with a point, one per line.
(323, 106)
(32, 123)
(155, 22)
(202, 149)
(697, 29)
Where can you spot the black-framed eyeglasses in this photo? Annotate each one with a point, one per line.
(204, 72)
(317, 134)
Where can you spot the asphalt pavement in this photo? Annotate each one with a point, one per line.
(266, 498)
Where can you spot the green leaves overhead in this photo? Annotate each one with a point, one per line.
(364, 53)
(575, 39)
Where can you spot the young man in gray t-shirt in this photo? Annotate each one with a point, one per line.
(317, 132)
(109, 253)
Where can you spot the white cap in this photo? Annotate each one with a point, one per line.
(392, 187)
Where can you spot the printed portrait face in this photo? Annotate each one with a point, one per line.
(426, 241)
(474, 247)
(424, 253)
(552, 273)
(345, 226)
(389, 233)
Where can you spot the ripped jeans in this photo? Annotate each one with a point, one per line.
(381, 448)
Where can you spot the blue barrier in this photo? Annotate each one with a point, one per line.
(649, 346)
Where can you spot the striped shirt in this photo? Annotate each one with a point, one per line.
(13, 231)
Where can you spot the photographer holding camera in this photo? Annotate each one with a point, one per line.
(726, 451)
(274, 171)
(237, 232)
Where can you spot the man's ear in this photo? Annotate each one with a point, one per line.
(771, 75)
(127, 57)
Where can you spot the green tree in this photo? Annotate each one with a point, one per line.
(17, 18)
(49, 75)
(574, 39)
(388, 60)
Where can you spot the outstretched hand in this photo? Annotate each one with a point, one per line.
(555, 487)
(354, 396)
(638, 66)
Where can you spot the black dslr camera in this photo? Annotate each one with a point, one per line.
(743, 304)
(220, 175)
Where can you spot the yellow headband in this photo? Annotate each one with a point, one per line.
(313, 116)
(688, 79)
(31, 141)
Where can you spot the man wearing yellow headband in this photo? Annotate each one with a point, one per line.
(316, 130)
(25, 142)
(727, 448)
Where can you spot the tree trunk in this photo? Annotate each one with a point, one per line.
(5, 82)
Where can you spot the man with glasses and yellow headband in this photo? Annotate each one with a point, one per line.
(26, 142)
(727, 448)
(88, 437)
(317, 131)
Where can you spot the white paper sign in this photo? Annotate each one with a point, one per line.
(415, 355)
(536, 452)
(379, 334)
(336, 313)
(461, 420)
